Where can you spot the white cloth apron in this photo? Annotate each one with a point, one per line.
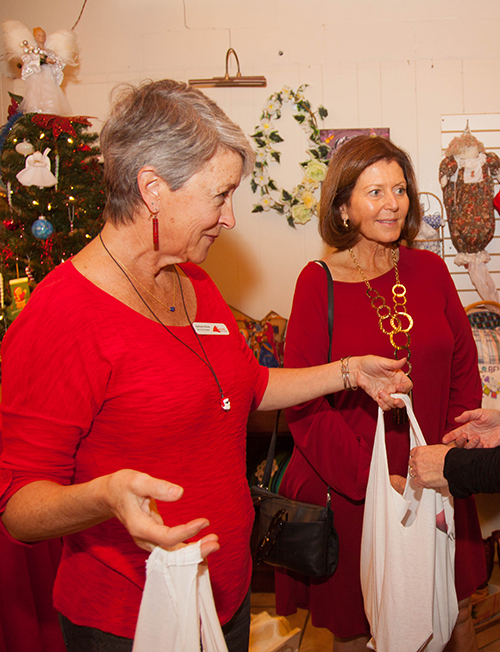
(177, 607)
(407, 557)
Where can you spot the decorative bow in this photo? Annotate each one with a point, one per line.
(58, 123)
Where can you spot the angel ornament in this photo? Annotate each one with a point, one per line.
(37, 171)
(43, 60)
(467, 174)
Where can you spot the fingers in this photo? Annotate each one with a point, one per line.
(467, 416)
(209, 544)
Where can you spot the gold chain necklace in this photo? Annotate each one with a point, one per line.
(171, 308)
(399, 321)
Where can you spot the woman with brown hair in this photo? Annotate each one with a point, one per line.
(391, 300)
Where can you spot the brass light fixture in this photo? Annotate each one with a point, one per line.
(227, 80)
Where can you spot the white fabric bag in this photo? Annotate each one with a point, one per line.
(177, 606)
(407, 557)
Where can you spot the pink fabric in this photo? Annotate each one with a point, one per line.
(333, 446)
(90, 387)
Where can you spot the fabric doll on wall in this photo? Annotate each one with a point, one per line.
(43, 60)
(466, 175)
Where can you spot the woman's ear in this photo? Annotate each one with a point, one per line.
(149, 182)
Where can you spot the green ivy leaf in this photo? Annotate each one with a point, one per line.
(323, 150)
(272, 185)
(257, 209)
(291, 222)
(279, 208)
(275, 156)
(260, 142)
(253, 185)
(275, 137)
(285, 195)
(258, 134)
(300, 118)
(322, 112)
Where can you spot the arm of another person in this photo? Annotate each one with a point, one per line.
(466, 472)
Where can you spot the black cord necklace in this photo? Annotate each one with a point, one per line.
(224, 402)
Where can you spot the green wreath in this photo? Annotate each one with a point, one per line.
(299, 204)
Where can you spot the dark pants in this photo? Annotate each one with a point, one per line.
(78, 638)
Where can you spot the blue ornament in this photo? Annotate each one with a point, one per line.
(42, 228)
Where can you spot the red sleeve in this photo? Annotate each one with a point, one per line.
(340, 456)
(50, 393)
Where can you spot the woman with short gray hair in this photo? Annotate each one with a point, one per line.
(142, 379)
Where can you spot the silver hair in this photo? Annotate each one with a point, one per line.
(172, 127)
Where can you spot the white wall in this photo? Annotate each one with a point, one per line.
(390, 63)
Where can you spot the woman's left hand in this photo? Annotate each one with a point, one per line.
(381, 377)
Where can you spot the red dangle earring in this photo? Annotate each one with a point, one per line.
(156, 239)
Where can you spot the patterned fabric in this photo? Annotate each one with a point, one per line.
(484, 319)
(469, 206)
(488, 349)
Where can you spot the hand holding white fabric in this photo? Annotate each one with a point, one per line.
(177, 607)
(381, 377)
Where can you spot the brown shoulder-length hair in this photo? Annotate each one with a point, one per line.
(344, 170)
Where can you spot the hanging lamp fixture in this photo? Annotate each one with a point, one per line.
(227, 80)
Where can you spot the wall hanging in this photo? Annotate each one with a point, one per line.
(466, 175)
(299, 204)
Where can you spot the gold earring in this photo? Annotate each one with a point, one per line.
(345, 220)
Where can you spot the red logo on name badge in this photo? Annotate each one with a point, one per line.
(215, 330)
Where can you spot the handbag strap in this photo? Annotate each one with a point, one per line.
(329, 281)
(272, 445)
(270, 455)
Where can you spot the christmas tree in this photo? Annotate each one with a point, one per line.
(53, 197)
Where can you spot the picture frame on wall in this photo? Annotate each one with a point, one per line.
(334, 138)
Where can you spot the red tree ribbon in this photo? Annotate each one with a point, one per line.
(59, 124)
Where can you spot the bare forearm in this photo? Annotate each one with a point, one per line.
(45, 510)
(288, 387)
(378, 377)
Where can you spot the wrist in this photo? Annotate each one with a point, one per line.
(349, 373)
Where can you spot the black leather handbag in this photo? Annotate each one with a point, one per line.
(300, 537)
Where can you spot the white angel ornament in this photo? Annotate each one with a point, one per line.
(43, 60)
(37, 171)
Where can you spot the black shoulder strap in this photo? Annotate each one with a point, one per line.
(330, 305)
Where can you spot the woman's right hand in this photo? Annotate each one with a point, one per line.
(132, 497)
(381, 377)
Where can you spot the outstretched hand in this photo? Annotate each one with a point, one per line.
(381, 377)
(480, 429)
(132, 497)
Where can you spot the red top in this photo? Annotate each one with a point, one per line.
(333, 446)
(90, 387)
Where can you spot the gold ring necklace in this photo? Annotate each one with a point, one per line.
(391, 323)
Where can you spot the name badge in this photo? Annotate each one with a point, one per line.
(206, 328)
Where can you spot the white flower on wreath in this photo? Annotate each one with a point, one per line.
(301, 214)
(267, 202)
(266, 126)
(261, 178)
(316, 171)
(261, 155)
(271, 106)
(286, 93)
